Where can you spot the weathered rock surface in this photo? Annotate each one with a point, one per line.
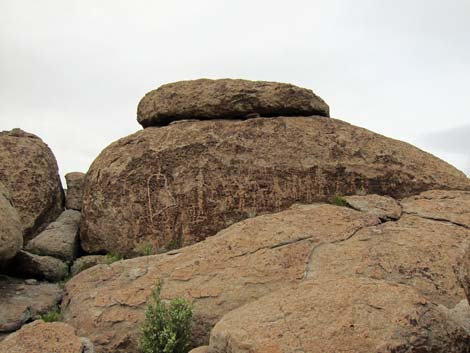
(226, 99)
(414, 251)
(240, 264)
(22, 301)
(28, 265)
(178, 184)
(11, 231)
(73, 199)
(202, 349)
(462, 269)
(29, 172)
(446, 205)
(460, 314)
(42, 337)
(384, 207)
(85, 262)
(59, 239)
(339, 315)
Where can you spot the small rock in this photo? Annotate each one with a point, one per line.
(84, 262)
(59, 239)
(73, 199)
(42, 337)
(28, 265)
(384, 207)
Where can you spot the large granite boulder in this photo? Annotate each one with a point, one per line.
(356, 315)
(238, 265)
(24, 300)
(179, 184)
(226, 99)
(59, 239)
(28, 170)
(42, 337)
(11, 231)
(73, 199)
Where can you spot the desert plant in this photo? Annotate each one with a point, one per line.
(51, 316)
(145, 249)
(166, 328)
(112, 257)
(339, 201)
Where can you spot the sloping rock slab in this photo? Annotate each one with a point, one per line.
(28, 170)
(384, 207)
(179, 184)
(445, 205)
(59, 239)
(11, 231)
(339, 315)
(226, 99)
(41, 337)
(414, 251)
(240, 264)
(22, 301)
(73, 199)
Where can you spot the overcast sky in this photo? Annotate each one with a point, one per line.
(73, 72)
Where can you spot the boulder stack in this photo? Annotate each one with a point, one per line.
(29, 172)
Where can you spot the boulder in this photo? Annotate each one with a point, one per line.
(85, 262)
(28, 265)
(22, 301)
(226, 99)
(442, 205)
(179, 184)
(28, 170)
(357, 315)
(11, 231)
(42, 337)
(384, 207)
(59, 239)
(238, 265)
(73, 199)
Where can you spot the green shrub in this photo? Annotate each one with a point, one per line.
(145, 249)
(112, 257)
(167, 328)
(339, 201)
(51, 316)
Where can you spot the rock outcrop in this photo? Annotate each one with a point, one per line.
(41, 337)
(29, 172)
(226, 99)
(339, 315)
(240, 264)
(73, 199)
(22, 301)
(11, 231)
(411, 257)
(179, 184)
(59, 239)
(462, 269)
